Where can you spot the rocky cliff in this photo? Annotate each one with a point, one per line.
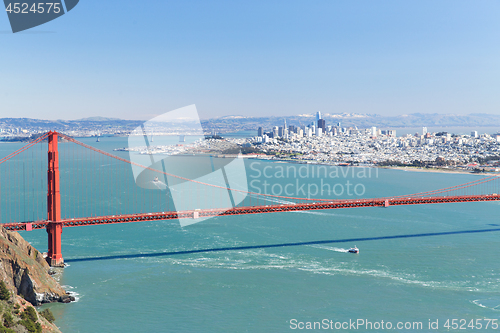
(25, 271)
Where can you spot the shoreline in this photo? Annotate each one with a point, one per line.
(411, 169)
(436, 170)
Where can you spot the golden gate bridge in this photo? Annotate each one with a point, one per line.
(31, 200)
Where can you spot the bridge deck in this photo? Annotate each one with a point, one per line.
(337, 204)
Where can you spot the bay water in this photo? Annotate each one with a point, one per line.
(417, 264)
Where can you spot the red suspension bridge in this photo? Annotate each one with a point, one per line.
(72, 198)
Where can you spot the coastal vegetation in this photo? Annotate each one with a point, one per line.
(47, 314)
(17, 315)
(4, 292)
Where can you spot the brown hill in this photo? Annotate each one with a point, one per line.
(25, 271)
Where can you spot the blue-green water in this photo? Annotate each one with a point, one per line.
(415, 278)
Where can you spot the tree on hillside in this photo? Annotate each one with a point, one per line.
(47, 314)
(4, 292)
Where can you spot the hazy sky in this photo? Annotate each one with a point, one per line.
(136, 59)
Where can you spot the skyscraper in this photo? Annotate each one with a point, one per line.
(260, 131)
(322, 124)
(318, 116)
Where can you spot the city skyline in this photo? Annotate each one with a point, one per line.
(275, 58)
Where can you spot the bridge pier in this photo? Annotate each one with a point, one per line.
(54, 227)
(54, 254)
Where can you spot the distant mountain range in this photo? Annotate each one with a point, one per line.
(237, 122)
(62, 125)
(98, 119)
(360, 120)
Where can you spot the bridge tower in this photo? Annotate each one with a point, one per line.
(54, 227)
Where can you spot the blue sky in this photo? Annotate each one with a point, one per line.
(137, 59)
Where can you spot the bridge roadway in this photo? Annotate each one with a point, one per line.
(337, 204)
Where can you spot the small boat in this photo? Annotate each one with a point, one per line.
(353, 250)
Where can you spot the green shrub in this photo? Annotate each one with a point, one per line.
(29, 320)
(8, 320)
(47, 314)
(6, 330)
(4, 292)
(29, 313)
(31, 326)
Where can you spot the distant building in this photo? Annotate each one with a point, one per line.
(318, 116)
(424, 130)
(322, 124)
(260, 131)
(474, 134)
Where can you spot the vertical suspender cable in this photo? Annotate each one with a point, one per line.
(1, 207)
(24, 192)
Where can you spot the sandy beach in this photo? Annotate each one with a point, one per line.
(416, 169)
